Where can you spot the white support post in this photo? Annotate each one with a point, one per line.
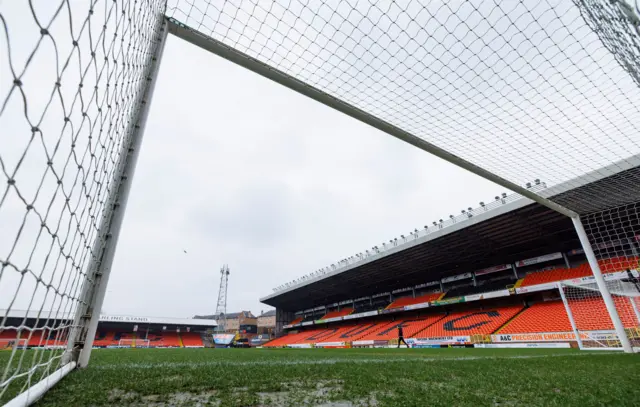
(635, 309)
(570, 315)
(632, 245)
(35, 392)
(602, 285)
(99, 269)
(566, 260)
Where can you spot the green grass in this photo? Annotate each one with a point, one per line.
(382, 377)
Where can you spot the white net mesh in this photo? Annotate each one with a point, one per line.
(70, 81)
(586, 306)
(528, 90)
(533, 77)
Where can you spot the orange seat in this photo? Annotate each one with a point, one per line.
(548, 316)
(191, 339)
(478, 322)
(589, 314)
(610, 265)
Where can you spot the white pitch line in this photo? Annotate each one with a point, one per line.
(332, 361)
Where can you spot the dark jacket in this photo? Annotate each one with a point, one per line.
(400, 333)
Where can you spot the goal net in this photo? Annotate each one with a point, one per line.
(590, 319)
(72, 81)
(143, 343)
(126, 343)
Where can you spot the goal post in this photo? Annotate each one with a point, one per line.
(95, 287)
(126, 343)
(601, 285)
(143, 343)
(591, 322)
(72, 117)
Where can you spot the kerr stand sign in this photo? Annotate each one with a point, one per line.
(129, 319)
(123, 318)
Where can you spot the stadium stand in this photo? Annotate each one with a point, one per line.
(546, 316)
(549, 316)
(294, 338)
(191, 339)
(411, 327)
(545, 313)
(475, 322)
(156, 339)
(558, 274)
(404, 301)
(341, 313)
(37, 337)
(297, 320)
(171, 339)
(105, 339)
(437, 325)
(591, 314)
(7, 334)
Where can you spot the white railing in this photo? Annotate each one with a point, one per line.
(464, 216)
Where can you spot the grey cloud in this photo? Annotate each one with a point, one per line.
(260, 216)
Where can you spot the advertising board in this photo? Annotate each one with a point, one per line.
(446, 301)
(444, 340)
(555, 336)
(493, 269)
(361, 315)
(548, 345)
(416, 306)
(485, 296)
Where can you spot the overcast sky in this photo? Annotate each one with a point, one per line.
(237, 169)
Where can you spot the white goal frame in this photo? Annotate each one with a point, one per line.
(143, 343)
(599, 337)
(127, 342)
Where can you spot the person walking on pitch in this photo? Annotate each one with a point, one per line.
(401, 336)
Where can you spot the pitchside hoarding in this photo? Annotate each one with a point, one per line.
(444, 340)
(555, 336)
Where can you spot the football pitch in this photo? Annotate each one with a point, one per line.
(350, 377)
